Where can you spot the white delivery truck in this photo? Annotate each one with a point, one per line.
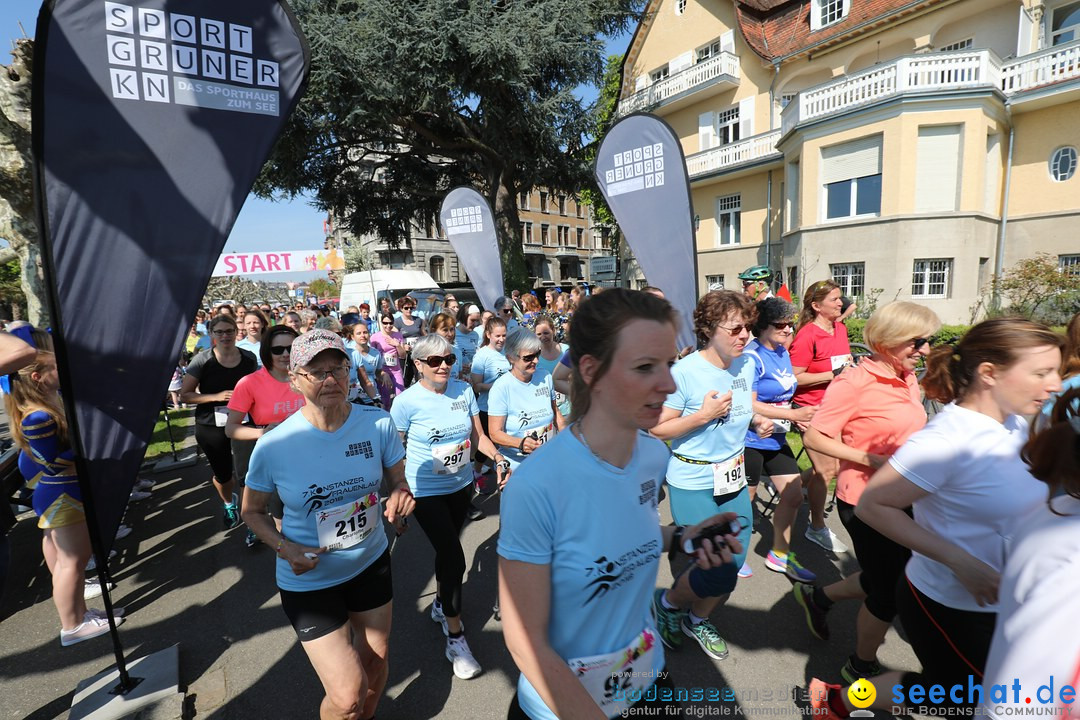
(369, 286)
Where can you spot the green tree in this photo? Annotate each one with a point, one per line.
(322, 288)
(1036, 288)
(407, 100)
(11, 291)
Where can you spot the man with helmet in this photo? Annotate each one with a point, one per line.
(756, 282)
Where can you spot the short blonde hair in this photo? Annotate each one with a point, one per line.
(894, 324)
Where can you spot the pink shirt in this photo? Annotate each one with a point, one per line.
(392, 359)
(264, 399)
(818, 352)
(868, 408)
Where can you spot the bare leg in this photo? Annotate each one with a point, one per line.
(869, 634)
(817, 489)
(786, 509)
(72, 544)
(340, 670)
(850, 588)
(371, 638)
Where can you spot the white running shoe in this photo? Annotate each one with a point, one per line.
(92, 588)
(826, 538)
(457, 652)
(137, 495)
(437, 616)
(118, 613)
(89, 628)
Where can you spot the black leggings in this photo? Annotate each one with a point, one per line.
(668, 708)
(882, 562)
(217, 448)
(441, 517)
(951, 644)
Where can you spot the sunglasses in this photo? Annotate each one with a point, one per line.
(434, 361)
(386, 322)
(531, 357)
(506, 311)
(919, 342)
(782, 325)
(736, 330)
(280, 349)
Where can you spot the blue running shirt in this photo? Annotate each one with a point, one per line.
(490, 364)
(526, 407)
(774, 383)
(437, 428)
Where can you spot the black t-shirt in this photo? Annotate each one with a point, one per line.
(214, 377)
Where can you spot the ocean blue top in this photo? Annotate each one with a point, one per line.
(468, 343)
(437, 428)
(526, 407)
(774, 383)
(563, 401)
(720, 439)
(490, 364)
(597, 528)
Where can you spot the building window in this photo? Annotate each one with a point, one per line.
(659, 74)
(1066, 24)
(850, 278)
(959, 45)
(727, 126)
(1063, 163)
(437, 268)
(581, 237)
(931, 278)
(523, 201)
(562, 204)
(786, 98)
(526, 233)
(714, 282)
(826, 12)
(569, 269)
(1069, 264)
(680, 7)
(543, 202)
(564, 235)
(727, 219)
(793, 280)
(851, 177)
(545, 237)
(641, 283)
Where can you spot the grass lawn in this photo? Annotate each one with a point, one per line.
(795, 441)
(183, 432)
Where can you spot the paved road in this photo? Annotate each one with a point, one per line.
(184, 581)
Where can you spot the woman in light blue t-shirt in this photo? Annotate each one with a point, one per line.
(439, 421)
(489, 364)
(580, 542)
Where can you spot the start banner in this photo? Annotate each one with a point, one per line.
(258, 263)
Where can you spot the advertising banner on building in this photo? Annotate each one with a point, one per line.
(642, 172)
(151, 120)
(469, 225)
(261, 263)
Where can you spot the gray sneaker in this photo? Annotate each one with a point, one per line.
(826, 538)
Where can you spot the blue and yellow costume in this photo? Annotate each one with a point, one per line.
(49, 469)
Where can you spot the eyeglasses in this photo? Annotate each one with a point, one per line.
(782, 325)
(225, 333)
(531, 357)
(919, 342)
(280, 349)
(733, 331)
(319, 376)
(434, 361)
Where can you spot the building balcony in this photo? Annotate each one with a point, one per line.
(695, 83)
(730, 156)
(936, 72)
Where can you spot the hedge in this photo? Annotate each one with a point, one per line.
(947, 333)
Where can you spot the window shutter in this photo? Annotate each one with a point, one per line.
(857, 158)
(746, 117)
(1024, 33)
(727, 42)
(640, 82)
(706, 134)
(681, 62)
(937, 169)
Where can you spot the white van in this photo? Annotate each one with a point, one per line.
(370, 286)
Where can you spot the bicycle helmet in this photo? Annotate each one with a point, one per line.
(758, 272)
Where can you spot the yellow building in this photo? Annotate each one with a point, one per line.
(918, 147)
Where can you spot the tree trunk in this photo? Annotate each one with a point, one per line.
(503, 197)
(17, 216)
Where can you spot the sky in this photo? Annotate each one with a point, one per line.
(262, 224)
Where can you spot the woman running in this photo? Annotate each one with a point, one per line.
(867, 413)
(578, 626)
(445, 326)
(970, 493)
(551, 352)
(265, 398)
(211, 377)
(391, 344)
(774, 383)
(370, 363)
(706, 420)
(412, 329)
(522, 412)
(439, 421)
(333, 564)
(489, 364)
(253, 327)
(39, 428)
(820, 352)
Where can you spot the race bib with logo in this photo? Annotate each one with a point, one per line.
(390, 359)
(450, 458)
(730, 475)
(348, 524)
(781, 427)
(609, 679)
(839, 361)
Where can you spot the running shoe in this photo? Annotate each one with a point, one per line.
(230, 515)
(122, 532)
(826, 538)
(815, 615)
(474, 513)
(667, 621)
(92, 565)
(746, 571)
(789, 566)
(91, 627)
(145, 484)
(851, 675)
(484, 484)
(437, 616)
(819, 699)
(92, 588)
(137, 495)
(458, 652)
(251, 539)
(707, 637)
(118, 612)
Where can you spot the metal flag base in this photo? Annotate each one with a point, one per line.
(156, 679)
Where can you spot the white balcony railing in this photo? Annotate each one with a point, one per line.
(716, 68)
(715, 159)
(1041, 68)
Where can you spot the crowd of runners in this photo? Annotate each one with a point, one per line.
(328, 432)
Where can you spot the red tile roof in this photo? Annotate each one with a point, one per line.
(781, 28)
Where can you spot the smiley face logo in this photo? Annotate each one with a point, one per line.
(862, 693)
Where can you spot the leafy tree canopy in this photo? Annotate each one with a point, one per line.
(408, 99)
